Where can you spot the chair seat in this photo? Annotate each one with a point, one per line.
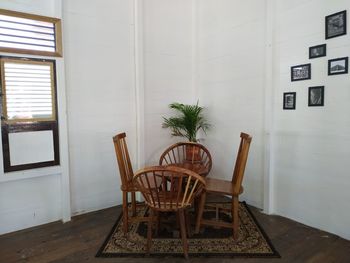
(154, 182)
(219, 186)
(130, 187)
(170, 201)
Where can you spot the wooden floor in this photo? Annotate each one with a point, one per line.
(79, 240)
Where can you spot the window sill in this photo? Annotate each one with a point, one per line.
(28, 174)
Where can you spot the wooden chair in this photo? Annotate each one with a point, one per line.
(232, 188)
(168, 189)
(126, 176)
(189, 155)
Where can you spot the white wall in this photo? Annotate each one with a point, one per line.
(307, 163)
(231, 50)
(99, 51)
(168, 60)
(37, 196)
(29, 202)
(311, 144)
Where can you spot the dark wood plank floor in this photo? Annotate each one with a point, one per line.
(79, 240)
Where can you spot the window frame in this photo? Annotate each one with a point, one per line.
(57, 28)
(51, 64)
(30, 125)
(20, 127)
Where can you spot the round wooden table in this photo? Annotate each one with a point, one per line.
(198, 168)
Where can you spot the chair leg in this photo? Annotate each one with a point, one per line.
(196, 204)
(200, 212)
(149, 231)
(133, 203)
(235, 209)
(125, 212)
(188, 223)
(157, 222)
(177, 220)
(183, 232)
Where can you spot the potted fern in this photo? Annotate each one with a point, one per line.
(187, 123)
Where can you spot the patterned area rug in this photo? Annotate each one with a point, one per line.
(210, 242)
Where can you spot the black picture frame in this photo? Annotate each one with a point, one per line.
(289, 100)
(300, 72)
(318, 51)
(335, 24)
(342, 67)
(316, 96)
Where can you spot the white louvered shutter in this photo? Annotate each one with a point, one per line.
(28, 90)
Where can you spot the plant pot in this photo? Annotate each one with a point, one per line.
(193, 154)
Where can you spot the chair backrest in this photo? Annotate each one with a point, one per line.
(167, 188)
(123, 158)
(187, 152)
(241, 161)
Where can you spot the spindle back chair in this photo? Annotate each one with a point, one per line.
(232, 188)
(169, 189)
(126, 176)
(189, 155)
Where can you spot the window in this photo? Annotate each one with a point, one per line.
(29, 122)
(27, 90)
(30, 34)
(29, 113)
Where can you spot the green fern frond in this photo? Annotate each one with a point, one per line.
(188, 122)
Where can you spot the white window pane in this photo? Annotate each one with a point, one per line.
(9, 65)
(26, 46)
(11, 25)
(14, 32)
(30, 41)
(25, 21)
(22, 144)
(28, 89)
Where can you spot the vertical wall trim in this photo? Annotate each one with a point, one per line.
(63, 130)
(268, 107)
(194, 51)
(139, 83)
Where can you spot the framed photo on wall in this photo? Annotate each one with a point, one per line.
(318, 51)
(338, 66)
(336, 25)
(316, 96)
(289, 99)
(300, 72)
